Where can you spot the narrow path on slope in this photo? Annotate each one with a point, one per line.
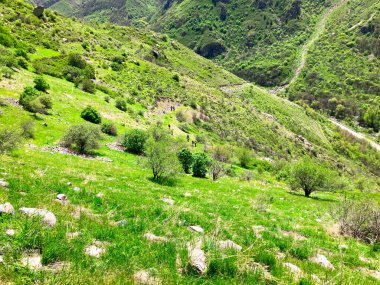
(319, 29)
(356, 134)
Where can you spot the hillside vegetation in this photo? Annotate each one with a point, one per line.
(116, 207)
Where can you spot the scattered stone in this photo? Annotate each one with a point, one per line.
(58, 266)
(7, 208)
(293, 268)
(10, 232)
(154, 238)
(187, 195)
(33, 261)
(316, 278)
(76, 189)
(100, 195)
(1, 259)
(4, 184)
(294, 235)
(375, 274)
(343, 246)
(168, 201)
(258, 230)
(229, 244)
(364, 259)
(146, 278)
(322, 261)
(94, 251)
(62, 198)
(115, 146)
(197, 259)
(69, 183)
(32, 146)
(72, 235)
(318, 220)
(47, 217)
(197, 229)
(121, 223)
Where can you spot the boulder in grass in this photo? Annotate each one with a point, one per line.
(154, 238)
(47, 217)
(10, 232)
(229, 244)
(33, 261)
(146, 278)
(94, 250)
(7, 208)
(168, 201)
(197, 259)
(62, 198)
(293, 268)
(4, 183)
(197, 229)
(322, 261)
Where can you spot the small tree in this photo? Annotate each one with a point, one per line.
(201, 164)
(186, 158)
(40, 84)
(83, 138)
(109, 129)
(217, 169)
(88, 86)
(9, 139)
(244, 156)
(134, 141)
(91, 115)
(308, 176)
(121, 104)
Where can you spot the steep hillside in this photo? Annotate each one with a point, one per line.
(117, 225)
(341, 76)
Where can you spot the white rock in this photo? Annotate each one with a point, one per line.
(62, 198)
(7, 208)
(47, 217)
(322, 261)
(198, 259)
(10, 232)
(100, 195)
(187, 195)
(1, 259)
(197, 229)
(76, 189)
(72, 235)
(229, 244)
(343, 246)
(69, 183)
(33, 262)
(168, 201)
(144, 277)
(94, 251)
(318, 220)
(294, 268)
(154, 238)
(4, 183)
(316, 278)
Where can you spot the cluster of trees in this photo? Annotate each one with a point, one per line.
(35, 99)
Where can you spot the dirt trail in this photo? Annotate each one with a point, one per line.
(319, 29)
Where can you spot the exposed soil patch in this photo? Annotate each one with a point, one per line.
(67, 151)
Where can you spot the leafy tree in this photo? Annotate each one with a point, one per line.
(186, 158)
(83, 138)
(134, 141)
(121, 104)
(90, 114)
(40, 84)
(309, 176)
(217, 169)
(372, 118)
(88, 86)
(244, 156)
(109, 128)
(201, 164)
(27, 96)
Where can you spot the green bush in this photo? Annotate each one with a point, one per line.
(134, 141)
(40, 84)
(9, 139)
(109, 129)
(91, 115)
(201, 163)
(88, 86)
(121, 104)
(72, 73)
(186, 159)
(245, 157)
(83, 138)
(27, 128)
(32, 101)
(76, 60)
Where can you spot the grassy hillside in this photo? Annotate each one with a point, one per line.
(117, 202)
(341, 76)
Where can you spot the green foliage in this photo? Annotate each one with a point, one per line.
(88, 86)
(244, 156)
(201, 164)
(121, 104)
(109, 128)
(33, 102)
(186, 158)
(83, 138)
(309, 176)
(27, 128)
(76, 60)
(91, 114)
(9, 139)
(134, 141)
(371, 118)
(40, 84)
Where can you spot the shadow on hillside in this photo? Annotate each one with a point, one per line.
(312, 197)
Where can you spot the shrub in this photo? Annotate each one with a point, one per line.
(359, 219)
(186, 159)
(245, 157)
(72, 73)
(40, 84)
(27, 128)
(31, 100)
(309, 176)
(181, 116)
(28, 95)
(217, 169)
(201, 164)
(83, 138)
(161, 152)
(91, 115)
(76, 60)
(134, 141)
(109, 129)
(9, 139)
(107, 99)
(222, 153)
(121, 104)
(88, 86)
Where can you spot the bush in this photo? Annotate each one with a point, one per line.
(32, 101)
(109, 129)
(217, 169)
(72, 73)
(76, 60)
(83, 138)
(309, 176)
(121, 104)
(88, 86)
(27, 128)
(359, 219)
(134, 141)
(201, 164)
(9, 139)
(245, 157)
(40, 84)
(186, 159)
(91, 115)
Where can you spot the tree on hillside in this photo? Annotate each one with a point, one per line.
(309, 176)
(134, 141)
(201, 165)
(83, 138)
(40, 84)
(186, 158)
